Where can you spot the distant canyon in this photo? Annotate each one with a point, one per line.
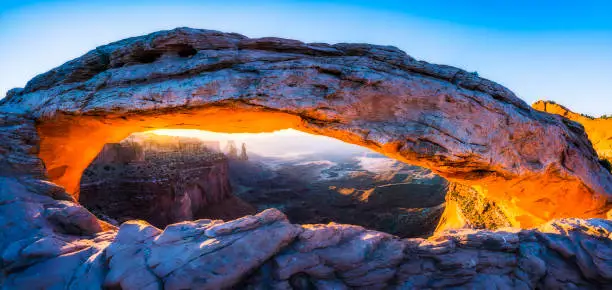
(169, 179)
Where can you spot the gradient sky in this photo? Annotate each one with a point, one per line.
(558, 50)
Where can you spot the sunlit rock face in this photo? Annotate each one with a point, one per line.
(466, 128)
(469, 207)
(599, 130)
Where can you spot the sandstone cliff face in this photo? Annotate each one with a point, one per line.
(469, 207)
(599, 130)
(160, 187)
(466, 128)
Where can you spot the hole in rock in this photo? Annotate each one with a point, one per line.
(186, 51)
(148, 56)
(167, 176)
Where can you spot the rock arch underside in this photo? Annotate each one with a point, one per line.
(540, 169)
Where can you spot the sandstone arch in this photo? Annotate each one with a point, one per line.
(467, 129)
(471, 130)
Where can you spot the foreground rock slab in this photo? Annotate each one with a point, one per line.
(265, 250)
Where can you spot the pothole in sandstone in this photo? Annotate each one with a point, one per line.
(167, 176)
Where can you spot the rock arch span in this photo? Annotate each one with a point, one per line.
(467, 129)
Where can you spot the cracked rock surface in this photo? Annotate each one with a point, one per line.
(537, 167)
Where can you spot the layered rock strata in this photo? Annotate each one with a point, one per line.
(161, 187)
(466, 128)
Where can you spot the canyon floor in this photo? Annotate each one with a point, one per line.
(371, 190)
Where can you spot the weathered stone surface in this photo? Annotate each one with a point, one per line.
(538, 166)
(468, 207)
(599, 130)
(266, 250)
(466, 259)
(140, 256)
(467, 129)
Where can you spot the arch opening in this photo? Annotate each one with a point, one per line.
(468, 129)
(69, 143)
(169, 176)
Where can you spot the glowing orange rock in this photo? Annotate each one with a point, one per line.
(599, 130)
(467, 129)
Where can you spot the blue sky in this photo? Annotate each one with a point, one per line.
(555, 50)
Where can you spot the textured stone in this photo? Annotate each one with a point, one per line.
(468, 207)
(160, 179)
(370, 95)
(598, 129)
(467, 129)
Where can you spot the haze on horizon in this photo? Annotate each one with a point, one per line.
(554, 50)
(287, 143)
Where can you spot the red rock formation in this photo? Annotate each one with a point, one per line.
(468, 207)
(161, 185)
(466, 128)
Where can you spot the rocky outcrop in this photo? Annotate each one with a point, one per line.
(468, 207)
(599, 130)
(161, 186)
(466, 128)
(267, 251)
(563, 254)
